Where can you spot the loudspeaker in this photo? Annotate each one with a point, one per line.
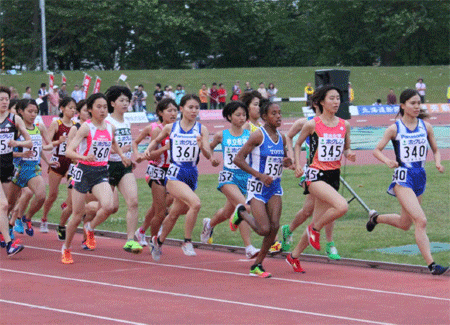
(339, 79)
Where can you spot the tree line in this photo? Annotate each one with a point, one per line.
(173, 34)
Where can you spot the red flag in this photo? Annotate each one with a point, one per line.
(63, 78)
(51, 80)
(97, 84)
(86, 84)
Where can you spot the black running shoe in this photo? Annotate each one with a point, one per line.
(436, 269)
(62, 233)
(371, 223)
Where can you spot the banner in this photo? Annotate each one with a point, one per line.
(215, 114)
(63, 78)
(436, 108)
(97, 84)
(135, 117)
(51, 80)
(86, 84)
(377, 109)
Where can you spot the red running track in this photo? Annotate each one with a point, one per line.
(110, 286)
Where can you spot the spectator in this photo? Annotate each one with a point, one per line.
(262, 90)
(76, 93)
(63, 91)
(309, 90)
(421, 87)
(271, 92)
(27, 93)
(236, 91)
(391, 98)
(222, 96)
(158, 94)
(213, 94)
(203, 94)
(448, 94)
(83, 94)
(43, 95)
(14, 93)
(377, 103)
(53, 98)
(351, 93)
(170, 94)
(248, 88)
(139, 97)
(179, 93)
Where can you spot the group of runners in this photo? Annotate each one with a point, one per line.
(94, 151)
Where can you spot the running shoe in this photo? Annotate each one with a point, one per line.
(141, 238)
(90, 237)
(332, 252)
(155, 249)
(14, 247)
(11, 233)
(63, 205)
(61, 233)
(132, 246)
(251, 252)
(295, 263)
(2, 241)
(287, 238)
(207, 231)
(236, 218)
(44, 226)
(313, 237)
(18, 226)
(28, 226)
(66, 257)
(275, 248)
(437, 269)
(85, 247)
(371, 223)
(188, 249)
(258, 270)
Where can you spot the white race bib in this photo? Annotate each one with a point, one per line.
(225, 176)
(330, 149)
(101, 150)
(311, 174)
(274, 166)
(413, 150)
(5, 138)
(254, 186)
(158, 173)
(173, 171)
(77, 173)
(228, 156)
(400, 175)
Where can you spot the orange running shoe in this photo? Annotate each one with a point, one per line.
(90, 238)
(313, 237)
(66, 256)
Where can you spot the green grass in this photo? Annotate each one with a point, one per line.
(350, 235)
(369, 83)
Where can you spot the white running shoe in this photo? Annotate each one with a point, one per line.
(44, 227)
(160, 231)
(251, 252)
(206, 232)
(141, 238)
(188, 249)
(155, 249)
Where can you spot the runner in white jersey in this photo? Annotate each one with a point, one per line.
(187, 139)
(96, 139)
(121, 178)
(410, 136)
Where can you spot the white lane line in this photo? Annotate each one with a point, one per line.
(65, 311)
(361, 120)
(246, 275)
(175, 294)
(219, 126)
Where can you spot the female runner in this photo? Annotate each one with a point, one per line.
(410, 136)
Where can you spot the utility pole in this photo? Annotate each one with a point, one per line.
(44, 41)
(3, 54)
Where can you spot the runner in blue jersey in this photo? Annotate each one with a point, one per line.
(267, 157)
(232, 180)
(410, 136)
(187, 139)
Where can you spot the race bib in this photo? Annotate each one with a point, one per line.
(5, 138)
(173, 171)
(413, 150)
(36, 149)
(53, 159)
(62, 148)
(274, 166)
(158, 173)
(228, 156)
(225, 176)
(69, 172)
(254, 186)
(77, 174)
(330, 149)
(185, 150)
(311, 174)
(124, 140)
(400, 175)
(101, 150)
(150, 170)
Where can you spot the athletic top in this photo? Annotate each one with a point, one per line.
(8, 132)
(62, 130)
(122, 136)
(411, 147)
(184, 149)
(326, 145)
(164, 159)
(31, 162)
(98, 142)
(267, 158)
(254, 127)
(230, 147)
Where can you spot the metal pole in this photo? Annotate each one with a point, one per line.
(3, 54)
(355, 196)
(44, 41)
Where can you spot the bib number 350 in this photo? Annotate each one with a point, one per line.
(254, 186)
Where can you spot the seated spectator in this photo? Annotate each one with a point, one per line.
(271, 92)
(53, 98)
(377, 103)
(27, 93)
(179, 93)
(158, 94)
(391, 98)
(262, 90)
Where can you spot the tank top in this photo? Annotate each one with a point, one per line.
(31, 162)
(164, 159)
(98, 142)
(230, 147)
(327, 145)
(411, 147)
(267, 158)
(62, 130)
(254, 127)
(122, 136)
(8, 132)
(184, 149)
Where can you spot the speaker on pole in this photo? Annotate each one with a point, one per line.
(338, 79)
